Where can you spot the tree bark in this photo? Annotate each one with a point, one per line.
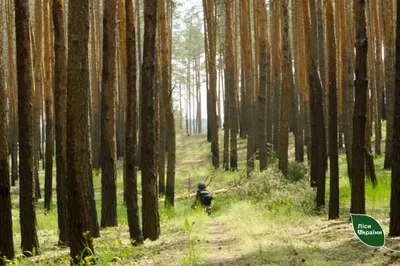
(318, 142)
(6, 234)
(285, 92)
(168, 103)
(150, 220)
(333, 126)
(60, 103)
(131, 126)
(359, 117)
(29, 240)
(48, 55)
(210, 16)
(394, 228)
(262, 92)
(248, 71)
(108, 117)
(80, 185)
(389, 39)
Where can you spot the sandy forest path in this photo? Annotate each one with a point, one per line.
(220, 246)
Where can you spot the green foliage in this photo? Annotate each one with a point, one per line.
(297, 171)
(191, 257)
(278, 194)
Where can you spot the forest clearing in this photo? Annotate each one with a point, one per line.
(278, 226)
(202, 132)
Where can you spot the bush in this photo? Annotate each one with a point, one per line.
(297, 171)
(279, 194)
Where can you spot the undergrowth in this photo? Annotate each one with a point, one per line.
(277, 193)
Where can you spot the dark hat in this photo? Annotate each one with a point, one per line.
(201, 185)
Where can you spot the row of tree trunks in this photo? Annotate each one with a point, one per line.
(318, 141)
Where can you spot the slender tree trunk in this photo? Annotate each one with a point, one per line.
(297, 110)
(29, 240)
(347, 94)
(6, 234)
(262, 91)
(333, 127)
(359, 117)
(276, 83)
(378, 74)
(209, 12)
(248, 68)
(131, 126)
(108, 117)
(60, 103)
(285, 94)
(318, 142)
(168, 103)
(13, 89)
(150, 220)
(390, 55)
(48, 55)
(37, 58)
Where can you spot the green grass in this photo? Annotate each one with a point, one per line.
(265, 220)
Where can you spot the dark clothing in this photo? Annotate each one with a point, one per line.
(204, 197)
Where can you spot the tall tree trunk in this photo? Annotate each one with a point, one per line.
(13, 89)
(333, 127)
(276, 82)
(151, 220)
(378, 74)
(318, 142)
(297, 110)
(389, 39)
(60, 103)
(29, 240)
(209, 12)
(231, 85)
(95, 86)
(198, 94)
(262, 91)
(168, 103)
(248, 69)
(131, 126)
(108, 117)
(285, 95)
(347, 91)
(394, 228)
(80, 185)
(359, 117)
(38, 86)
(48, 55)
(6, 234)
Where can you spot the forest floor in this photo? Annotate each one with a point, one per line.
(262, 220)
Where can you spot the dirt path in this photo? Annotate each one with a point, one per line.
(220, 246)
